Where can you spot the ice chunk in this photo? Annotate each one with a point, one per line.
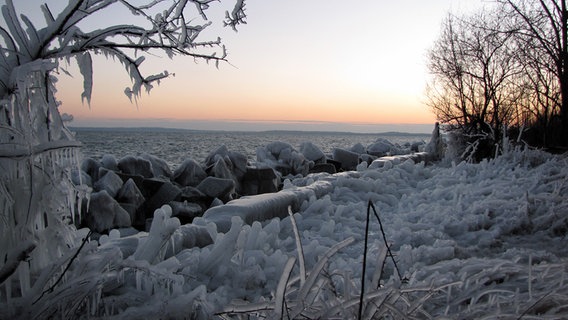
(162, 228)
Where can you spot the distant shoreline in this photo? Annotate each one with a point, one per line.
(163, 129)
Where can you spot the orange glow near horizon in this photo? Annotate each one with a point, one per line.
(325, 65)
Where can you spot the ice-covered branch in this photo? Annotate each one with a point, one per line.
(169, 31)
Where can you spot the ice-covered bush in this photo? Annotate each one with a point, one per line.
(38, 200)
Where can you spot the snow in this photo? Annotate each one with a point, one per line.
(470, 240)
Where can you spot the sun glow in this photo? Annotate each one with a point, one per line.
(319, 64)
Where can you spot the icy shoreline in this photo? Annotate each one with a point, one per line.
(466, 238)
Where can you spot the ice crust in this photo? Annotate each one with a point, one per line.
(483, 239)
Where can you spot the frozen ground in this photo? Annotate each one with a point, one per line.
(471, 241)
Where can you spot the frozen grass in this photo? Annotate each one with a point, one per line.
(484, 241)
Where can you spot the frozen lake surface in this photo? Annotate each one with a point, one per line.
(176, 145)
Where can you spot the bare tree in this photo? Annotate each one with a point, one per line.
(473, 67)
(541, 28)
(37, 152)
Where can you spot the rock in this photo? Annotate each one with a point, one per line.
(131, 209)
(221, 169)
(312, 152)
(275, 148)
(324, 167)
(260, 180)
(348, 160)
(358, 148)
(138, 179)
(131, 194)
(367, 158)
(381, 147)
(336, 164)
(91, 167)
(109, 162)
(135, 166)
(240, 163)
(189, 173)
(222, 163)
(105, 213)
(151, 186)
(110, 182)
(167, 192)
(217, 188)
(80, 177)
(185, 211)
(159, 167)
(283, 158)
(192, 194)
(215, 155)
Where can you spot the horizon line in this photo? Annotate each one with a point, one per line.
(254, 125)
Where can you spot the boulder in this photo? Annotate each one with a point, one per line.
(221, 169)
(192, 194)
(159, 167)
(217, 188)
(80, 177)
(110, 182)
(214, 155)
(105, 213)
(324, 167)
(358, 148)
(131, 194)
(166, 192)
(185, 211)
(367, 158)
(91, 167)
(109, 162)
(348, 160)
(240, 163)
(259, 180)
(312, 152)
(135, 166)
(189, 173)
(381, 147)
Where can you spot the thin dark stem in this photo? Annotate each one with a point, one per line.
(66, 268)
(371, 205)
(364, 263)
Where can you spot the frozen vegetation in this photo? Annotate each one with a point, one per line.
(452, 240)
(470, 241)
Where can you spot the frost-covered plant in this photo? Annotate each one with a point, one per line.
(37, 152)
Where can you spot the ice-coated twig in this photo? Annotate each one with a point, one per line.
(50, 289)
(310, 281)
(281, 289)
(299, 246)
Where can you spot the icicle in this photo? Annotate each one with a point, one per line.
(24, 276)
(530, 277)
(8, 287)
(138, 280)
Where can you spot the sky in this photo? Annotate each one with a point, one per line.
(296, 65)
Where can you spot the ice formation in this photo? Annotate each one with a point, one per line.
(471, 240)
